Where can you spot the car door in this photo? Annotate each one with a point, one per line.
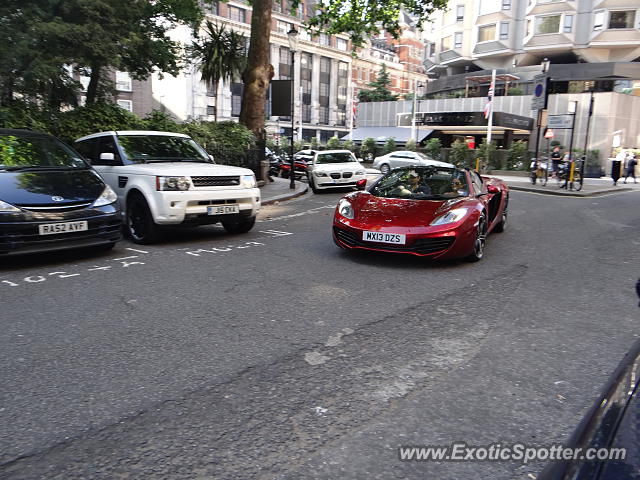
(111, 171)
(397, 160)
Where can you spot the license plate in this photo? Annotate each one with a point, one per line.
(380, 237)
(67, 227)
(223, 209)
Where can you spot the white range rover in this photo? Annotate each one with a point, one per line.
(164, 178)
(334, 169)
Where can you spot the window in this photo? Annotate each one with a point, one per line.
(490, 6)
(568, 24)
(283, 27)
(285, 64)
(211, 110)
(341, 44)
(123, 82)
(277, 6)
(548, 24)
(126, 105)
(459, 13)
(598, 20)
(447, 43)
(622, 19)
(237, 14)
(325, 80)
(324, 39)
(458, 40)
(487, 33)
(210, 6)
(504, 30)
(506, 4)
(304, 34)
(236, 98)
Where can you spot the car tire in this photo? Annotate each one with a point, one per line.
(239, 226)
(139, 222)
(479, 241)
(384, 168)
(312, 184)
(499, 228)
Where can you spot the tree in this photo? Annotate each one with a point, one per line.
(410, 145)
(219, 57)
(378, 89)
(459, 152)
(515, 154)
(369, 147)
(390, 145)
(433, 148)
(333, 143)
(488, 152)
(359, 18)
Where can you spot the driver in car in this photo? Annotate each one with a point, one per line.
(415, 185)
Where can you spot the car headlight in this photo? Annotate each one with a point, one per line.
(360, 172)
(249, 181)
(173, 183)
(320, 174)
(7, 207)
(345, 209)
(107, 197)
(451, 216)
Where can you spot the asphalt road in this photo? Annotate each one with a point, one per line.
(275, 355)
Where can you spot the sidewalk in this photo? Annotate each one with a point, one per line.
(592, 186)
(278, 190)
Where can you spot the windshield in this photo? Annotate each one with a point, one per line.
(161, 148)
(24, 152)
(336, 157)
(422, 183)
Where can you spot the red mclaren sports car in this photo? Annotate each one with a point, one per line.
(431, 211)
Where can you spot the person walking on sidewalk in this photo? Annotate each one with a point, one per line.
(631, 167)
(556, 156)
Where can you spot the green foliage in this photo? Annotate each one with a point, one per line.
(333, 143)
(410, 145)
(220, 56)
(433, 148)
(369, 147)
(516, 153)
(349, 145)
(161, 121)
(516, 91)
(487, 152)
(390, 145)
(459, 153)
(97, 117)
(378, 89)
(298, 145)
(314, 143)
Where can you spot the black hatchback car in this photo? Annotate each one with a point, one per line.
(50, 198)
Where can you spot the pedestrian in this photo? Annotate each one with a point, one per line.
(555, 159)
(632, 161)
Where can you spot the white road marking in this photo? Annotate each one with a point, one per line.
(135, 250)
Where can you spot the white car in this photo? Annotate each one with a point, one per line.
(405, 159)
(334, 169)
(164, 178)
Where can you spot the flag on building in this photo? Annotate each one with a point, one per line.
(354, 108)
(487, 107)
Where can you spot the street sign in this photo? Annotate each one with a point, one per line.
(549, 133)
(560, 121)
(539, 91)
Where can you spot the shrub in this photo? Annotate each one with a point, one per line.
(515, 154)
(459, 152)
(410, 145)
(333, 143)
(433, 148)
(390, 145)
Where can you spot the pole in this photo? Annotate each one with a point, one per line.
(538, 128)
(292, 176)
(352, 112)
(492, 92)
(586, 137)
(413, 111)
(300, 119)
(571, 166)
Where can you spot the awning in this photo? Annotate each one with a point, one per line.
(382, 134)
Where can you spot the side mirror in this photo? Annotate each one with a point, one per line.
(107, 158)
(211, 158)
(361, 184)
(493, 189)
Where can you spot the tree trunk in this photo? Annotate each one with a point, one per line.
(92, 89)
(258, 73)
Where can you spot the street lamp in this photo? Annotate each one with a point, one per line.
(414, 131)
(293, 46)
(545, 68)
(572, 110)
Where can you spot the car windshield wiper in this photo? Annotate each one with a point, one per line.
(38, 167)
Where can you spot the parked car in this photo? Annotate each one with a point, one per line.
(167, 179)
(334, 168)
(429, 211)
(301, 161)
(50, 198)
(404, 159)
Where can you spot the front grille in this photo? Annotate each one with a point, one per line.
(217, 202)
(68, 207)
(347, 174)
(423, 246)
(215, 181)
(335, 175)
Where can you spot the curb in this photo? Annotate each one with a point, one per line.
(286, 196)
(560, 193)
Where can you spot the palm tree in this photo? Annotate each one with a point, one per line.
(220, 56)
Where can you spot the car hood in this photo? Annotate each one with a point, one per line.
(183, 169)
(38, 187)
(398, 212)
(338, 167)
